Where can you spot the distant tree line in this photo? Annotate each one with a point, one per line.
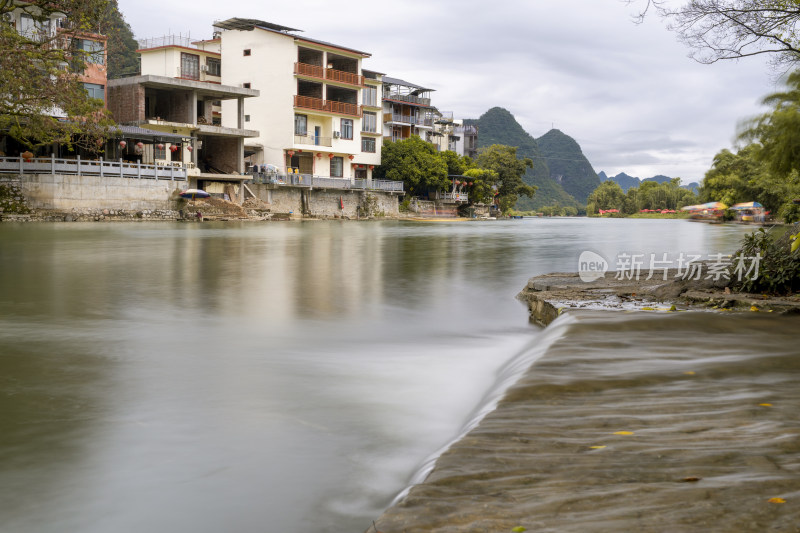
(649, 195)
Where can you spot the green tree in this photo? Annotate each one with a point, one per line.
(778, 131)
(503, 160)
(43, 102)
(122, 57)
(732, 29)
(456, 165)
(730, 177)
(482, 189)
(745, 177)
(608, 195)
(414, 162)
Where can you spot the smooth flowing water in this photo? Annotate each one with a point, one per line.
(288, 377)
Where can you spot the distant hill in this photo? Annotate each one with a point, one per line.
(498, 126)
(658, 179)
(568, 166)
(629, 182)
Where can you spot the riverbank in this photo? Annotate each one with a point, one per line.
(631, 421)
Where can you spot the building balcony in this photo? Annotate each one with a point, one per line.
(408, 99)
(330, 74)
(327, 106)
(313, 140)
(396, 118)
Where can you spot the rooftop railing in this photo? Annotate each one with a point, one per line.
(167, 40)
(407, 98)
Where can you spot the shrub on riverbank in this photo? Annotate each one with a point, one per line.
(12, 200)
(778, 268)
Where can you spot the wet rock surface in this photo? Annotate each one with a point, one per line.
(549, 295)
(632, 420)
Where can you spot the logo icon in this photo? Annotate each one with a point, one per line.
(591, 266)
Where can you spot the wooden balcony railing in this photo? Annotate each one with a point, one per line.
(329, 106)
(343, 108)
(339, 76)
(305, 69)
(344, 77)
(308, 102)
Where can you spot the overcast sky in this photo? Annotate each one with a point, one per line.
(627, 93)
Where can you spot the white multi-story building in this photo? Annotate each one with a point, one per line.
(407, 110)
(317, 112)
(178, 96)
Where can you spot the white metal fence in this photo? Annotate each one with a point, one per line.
(100, 167)
(323, 182)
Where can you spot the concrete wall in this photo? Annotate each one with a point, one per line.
(326, 203)
(65, 192)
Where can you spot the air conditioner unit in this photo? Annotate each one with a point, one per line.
(203, 68)
(336, 134)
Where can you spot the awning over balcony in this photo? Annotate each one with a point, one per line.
(397, 81)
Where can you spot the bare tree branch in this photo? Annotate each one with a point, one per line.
(717, 30)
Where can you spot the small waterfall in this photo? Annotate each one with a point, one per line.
(507, 376)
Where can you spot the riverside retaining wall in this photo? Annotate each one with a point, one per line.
(326, 203)
(95, 197)
(62, 192)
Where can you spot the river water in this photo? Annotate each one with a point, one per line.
(249, 377)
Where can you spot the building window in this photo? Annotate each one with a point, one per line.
(337, 167)
(368, 145)
(190, 66)
(35, 31)
(300, 124)
(369, 122)
(159, 154)
(95, 91)
(347, 128)
(213, 66)
(247, 51)
(247, 118)
(246, 85)
(91, 51)
(369, 96)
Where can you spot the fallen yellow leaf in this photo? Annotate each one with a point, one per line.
(776, 500)
(689, 372)
(597, 447)
(765, 404)
(623, 433)
(754, 308)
